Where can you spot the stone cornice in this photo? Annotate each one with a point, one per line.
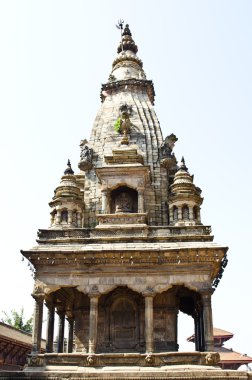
(136, 233)
(142, 84)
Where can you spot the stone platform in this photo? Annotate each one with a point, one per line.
(164, 365)
(131, 373)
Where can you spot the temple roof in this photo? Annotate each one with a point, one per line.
(12, 334)
(230, 356)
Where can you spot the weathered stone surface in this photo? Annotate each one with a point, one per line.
(126, 250)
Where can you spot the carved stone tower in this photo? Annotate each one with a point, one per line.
(126, 249)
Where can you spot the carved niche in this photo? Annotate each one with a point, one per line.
(123, 200)
(121, 322)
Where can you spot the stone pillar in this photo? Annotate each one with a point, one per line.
(201, 331)
(93, 319)
(79, 217)
(52, 219)
(37, 324)
(179, 213)
(148, 296)
(171, 214)
(58, 217)
(104, 194)
(208, 320)
(140, 201)
(61, 331)
(70, 217)
(70, 335)
(191, 213)
(50, 328)
(199, 217)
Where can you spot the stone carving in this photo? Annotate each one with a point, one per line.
(86, 152)
(149, 359)
(90, 360)
(168, 159)
(86, 156)
(125, 123)
(167, 146)
(123, 203)
(212, 358)
(38, 289)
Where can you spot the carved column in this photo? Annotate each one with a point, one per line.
(70, 217)
(148, 296)
(37, 324)
(196, 332)
(104, 194)
(140, 201)
(179, 213)
(171, 214)
(58, 217)
(191, 213)
(61, 330)
(79, 219)
(208, 320)
(93, 319)
(70, 334)
(50, 328)
(199, 217)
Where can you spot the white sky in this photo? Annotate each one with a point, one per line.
(54, 57)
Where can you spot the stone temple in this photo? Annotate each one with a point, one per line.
(126, 250)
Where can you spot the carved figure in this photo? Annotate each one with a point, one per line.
(125, 123)
(168, 145)
(86, 152)
(123, 203)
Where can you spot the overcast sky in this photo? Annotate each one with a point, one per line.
(54, 57)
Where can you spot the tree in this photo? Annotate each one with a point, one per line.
(16, 319)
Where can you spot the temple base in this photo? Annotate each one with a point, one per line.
(170, 365)
(157, 366)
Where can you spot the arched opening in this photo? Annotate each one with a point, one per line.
(73, 307)
(196, 213)
(189, 303)
(121, 322)
(64, 216)
(168, 321)
(185, 212)
(175, 213)
(123, 200)
(165, 310)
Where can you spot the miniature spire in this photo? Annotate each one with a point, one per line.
(69, 169)
(127, 41)
(182, 165)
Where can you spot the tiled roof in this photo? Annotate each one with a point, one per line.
(218, 333)
(16, 335)
(228, 356)
(222, 333)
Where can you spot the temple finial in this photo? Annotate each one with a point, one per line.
(127, 42)
(127, 31)
(182, 165)
(69, 169)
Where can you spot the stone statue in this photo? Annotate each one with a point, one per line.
(167, 146)
(123, 203)
(125, 126)
(86, 152)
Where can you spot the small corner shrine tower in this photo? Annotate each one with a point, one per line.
(126, 249)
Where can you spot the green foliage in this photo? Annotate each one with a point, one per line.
(16, 319)
(117, 125)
